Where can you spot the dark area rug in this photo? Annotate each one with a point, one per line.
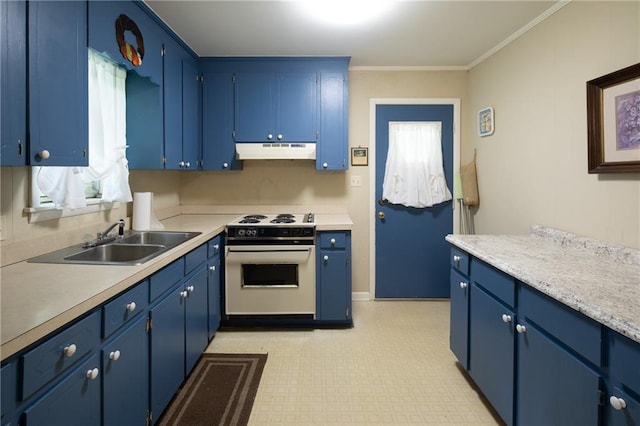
(219, 391)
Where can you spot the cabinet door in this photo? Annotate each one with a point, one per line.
(58, 83)
(459, 323)
(196, 321)
(332, 148)
(8, 393)
(74, 401)
(218, 146)
(214, 295)
(167, 348)
(334, 293)
(173, 105)
(254, 119)
(554, 388)
(492, 351)
(191, 114)
(13, 85)
(621, 415)
(297, 107)
(125, 381)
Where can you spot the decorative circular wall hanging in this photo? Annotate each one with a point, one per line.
(131, 54)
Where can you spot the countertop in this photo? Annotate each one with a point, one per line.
(598, 279)
(38, 298)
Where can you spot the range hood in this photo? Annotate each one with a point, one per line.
(276, 151)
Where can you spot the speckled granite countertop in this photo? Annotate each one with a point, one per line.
(600, 280)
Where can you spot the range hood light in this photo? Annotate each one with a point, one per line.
(276, 151)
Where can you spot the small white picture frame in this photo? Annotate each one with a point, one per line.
(486, 122)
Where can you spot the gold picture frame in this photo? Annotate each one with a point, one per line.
(359, 156)
(613, 128)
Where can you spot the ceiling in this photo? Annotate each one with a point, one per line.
(415, 34)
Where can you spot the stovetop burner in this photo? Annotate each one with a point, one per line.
(283, 218)
(268, 228)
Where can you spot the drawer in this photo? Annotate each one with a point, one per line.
(48, 360)
(123, 308)
(578, 332)
(460, 260)
(213, 247)
(8, 389)
(194, 258)
(624, 358)
(165, 278)
(333, 240)
(496, 282)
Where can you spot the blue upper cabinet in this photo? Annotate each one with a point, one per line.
(13, 85)
(127, 34)
(182, 107)
(333, 146)
(218, 149)
(58, 88)
(276, 107)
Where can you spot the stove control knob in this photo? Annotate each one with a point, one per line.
(240, 232)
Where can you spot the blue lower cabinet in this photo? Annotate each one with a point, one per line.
(196, 318)
(213, 294)
(125, 381)
(492, 349)
(8, 393)
(621, 409)
(167, 348)
(73, 401)
(622, 401)
(333, 278)
(459, 317)
(554, 387)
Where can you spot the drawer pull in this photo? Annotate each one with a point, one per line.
(225, 165)
(183, 294)
(216, 247)
(131, 306)
(70, 350)
(333, 241)
(506, 318)
(190, 289)
(114, 356)
(463, 285)
(93, 374)
(212, 268)
(617, 403)
(456, 258)
(325, 258)
(521, 329)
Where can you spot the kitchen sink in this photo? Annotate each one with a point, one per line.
(117, 253)
(135, 248)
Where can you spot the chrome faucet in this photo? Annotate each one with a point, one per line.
(104, 237)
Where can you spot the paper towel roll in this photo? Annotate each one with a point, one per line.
(144, 219)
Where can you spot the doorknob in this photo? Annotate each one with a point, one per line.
(381, 215)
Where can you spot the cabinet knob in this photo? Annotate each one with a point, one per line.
(216, 247)
(325, 257)
(93, 374)
(114, 356)
(333, 241)
(521, 329)
(187, 164)
(456, 259)
(325, 165)
(506, 318)
(181, 163)
(44, 154)
(212, 268)
(269, 136)
(190, 289)
(131, 306)
(617, 403)
(463, 285)
(69, 350)
(225, 165)
(183, 294)
(279, 137)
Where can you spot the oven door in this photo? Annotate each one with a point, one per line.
(270, 280)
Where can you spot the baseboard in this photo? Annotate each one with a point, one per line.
(360, 295)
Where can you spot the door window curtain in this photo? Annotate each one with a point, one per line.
(414, 174)
(107, 143)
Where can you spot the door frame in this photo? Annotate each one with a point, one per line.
(373, 103)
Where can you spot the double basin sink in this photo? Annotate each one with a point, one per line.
(134, 248)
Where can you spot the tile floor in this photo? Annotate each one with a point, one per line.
(393, 368)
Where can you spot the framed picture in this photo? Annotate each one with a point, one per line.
(359, 156)
(613, 122)
(485, 122)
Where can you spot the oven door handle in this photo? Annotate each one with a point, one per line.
(232, 250)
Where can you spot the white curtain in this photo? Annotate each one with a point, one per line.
(107, 143)
(414, 175)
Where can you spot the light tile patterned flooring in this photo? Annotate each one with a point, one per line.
(393, 368)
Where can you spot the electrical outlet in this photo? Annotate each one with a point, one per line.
(355, 181)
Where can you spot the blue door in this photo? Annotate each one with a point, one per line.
(412, 256)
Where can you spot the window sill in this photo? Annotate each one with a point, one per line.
(42, 214)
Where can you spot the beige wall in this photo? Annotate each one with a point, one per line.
(533, 170)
